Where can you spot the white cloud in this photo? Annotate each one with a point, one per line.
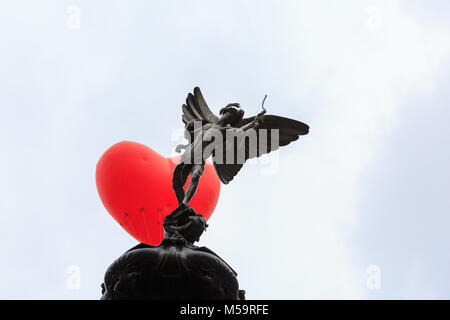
(362, 77)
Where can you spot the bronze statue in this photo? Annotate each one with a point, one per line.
(232, 129)
(176, 268)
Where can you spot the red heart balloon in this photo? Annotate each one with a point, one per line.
(135, 185)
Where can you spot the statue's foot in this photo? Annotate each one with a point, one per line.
(184, 222)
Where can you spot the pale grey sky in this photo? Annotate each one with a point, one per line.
(368, 187)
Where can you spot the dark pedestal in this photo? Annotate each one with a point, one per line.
(175, 269)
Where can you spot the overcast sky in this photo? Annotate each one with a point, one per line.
(357, 209)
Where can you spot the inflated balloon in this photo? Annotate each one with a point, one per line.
(135, 185)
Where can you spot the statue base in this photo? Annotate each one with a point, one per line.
(175, 269)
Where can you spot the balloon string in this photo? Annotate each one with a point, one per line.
(161, 225)
(145, 223)
(130, 223)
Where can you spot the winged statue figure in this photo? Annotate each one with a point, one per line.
(229, 138)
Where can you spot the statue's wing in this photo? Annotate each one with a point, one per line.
(288, 130)
(197, 109)
(226, 172)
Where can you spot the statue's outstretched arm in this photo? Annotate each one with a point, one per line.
(256, 123)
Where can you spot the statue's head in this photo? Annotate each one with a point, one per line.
(232, 114)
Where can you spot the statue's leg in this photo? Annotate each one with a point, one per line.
(178, 181)
(196, 173)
